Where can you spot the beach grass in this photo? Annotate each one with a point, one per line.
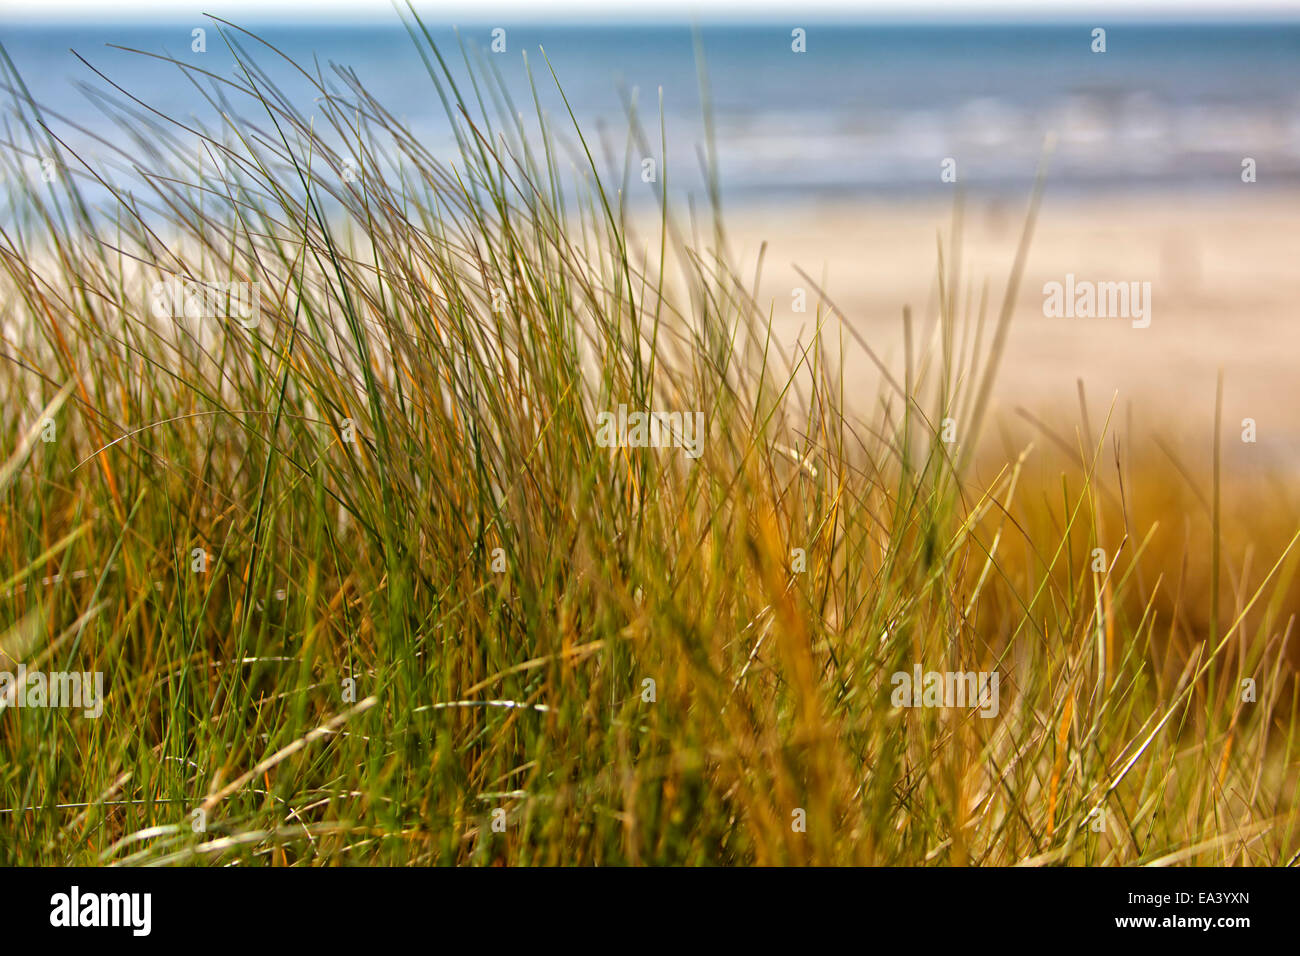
(365, 588)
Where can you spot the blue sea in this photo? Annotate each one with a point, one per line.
(865, 111)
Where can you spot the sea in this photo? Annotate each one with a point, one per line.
(779, 111)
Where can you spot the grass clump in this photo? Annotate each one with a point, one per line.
(365, 588)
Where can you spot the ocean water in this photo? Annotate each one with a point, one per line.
(865, 111)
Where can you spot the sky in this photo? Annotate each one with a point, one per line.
(641, 10)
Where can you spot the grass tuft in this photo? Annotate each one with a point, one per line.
(359, 574)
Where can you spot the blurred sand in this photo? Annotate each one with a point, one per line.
(1225, 289)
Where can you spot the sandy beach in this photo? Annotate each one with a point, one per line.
(1223, 287)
